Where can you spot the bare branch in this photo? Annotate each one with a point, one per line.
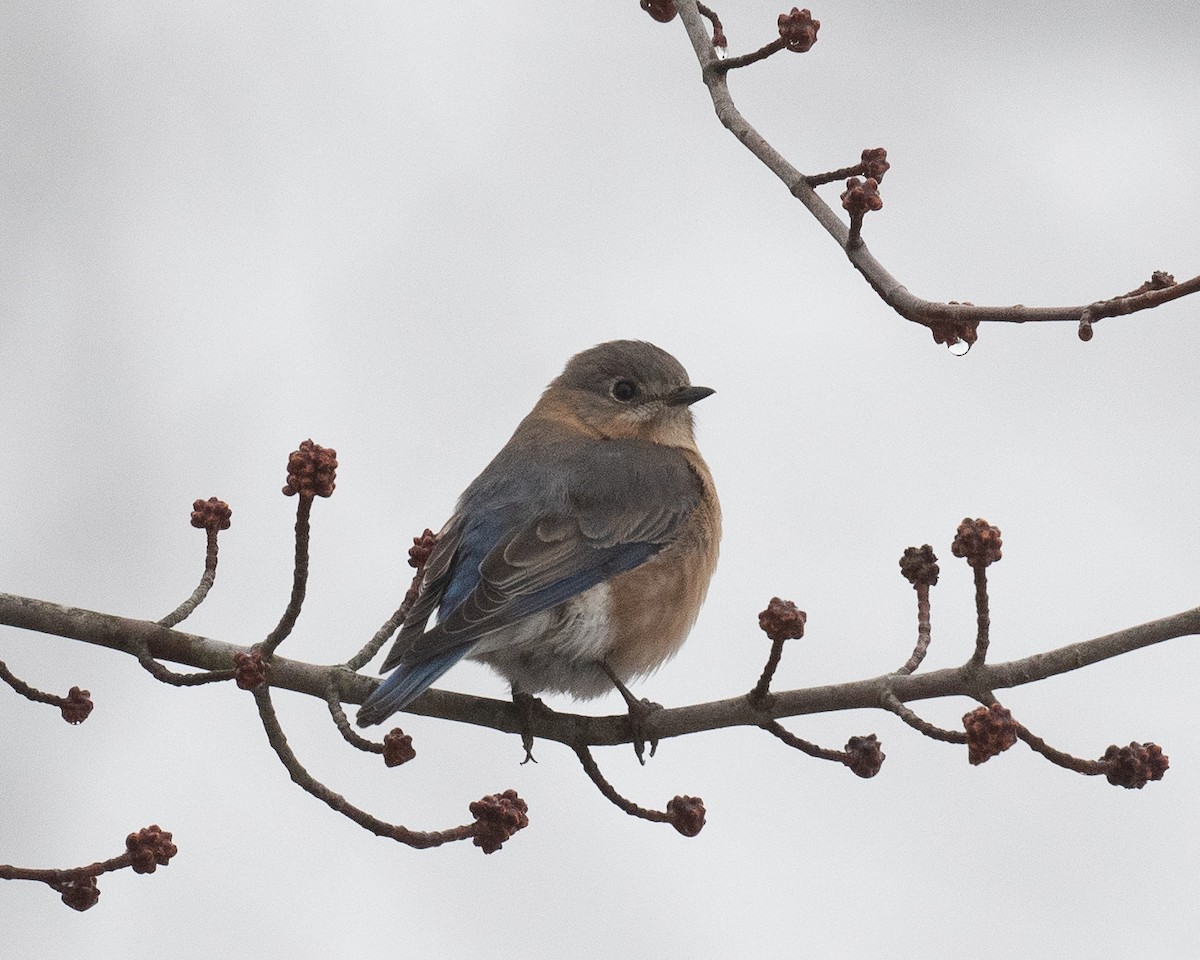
(145, 851)
(212, 516)
(122, 633)
(929, 313)
(335, 801)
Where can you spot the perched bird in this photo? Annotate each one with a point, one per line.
(580, 556)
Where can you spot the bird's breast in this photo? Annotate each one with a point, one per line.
(557, 650)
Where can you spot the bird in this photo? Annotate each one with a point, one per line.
(579, 558)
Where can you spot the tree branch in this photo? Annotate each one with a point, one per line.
(125, 635)
(950, 322)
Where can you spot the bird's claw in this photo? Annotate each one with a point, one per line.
(526, 706)
(641, 726)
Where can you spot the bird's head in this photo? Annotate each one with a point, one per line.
(628, 389)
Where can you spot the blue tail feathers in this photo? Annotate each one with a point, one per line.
(403, 685)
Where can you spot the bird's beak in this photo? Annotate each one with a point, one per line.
(686, 396)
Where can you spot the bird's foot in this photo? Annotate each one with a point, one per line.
(641, 726)
(527, 707)
(641, 718)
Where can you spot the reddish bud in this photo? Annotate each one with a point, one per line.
(978, 542)
(311, 471)
(397, 748)
(81, 894)
(1134, 766)
(150, 848)
(798, 30)
(661, 10)
(875, 163)
(418, 553)
(951, 332)
(250, 670)
(782, 620)
(861, 197)
(920, 566)
(77, 706)
(990, 731)
(497, 817)
(211, 514)
(686, 814)
(864, 756)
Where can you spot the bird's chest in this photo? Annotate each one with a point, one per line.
(557, 650)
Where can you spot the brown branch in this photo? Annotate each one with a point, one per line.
(342, 722)
(732, 63)
(919, 566)
(592, 769)
(212, 516)
(1089, 768)
(75, 706)
(145, 851)
(983, 619)
(302, 778)
(165, 674)
(920, 724)
(804, 746)
(418, 556)
(762, 690)
(207, 579)
(685, 814)
(122, 634)
(928, 313)
(924, 631)
(299, 580)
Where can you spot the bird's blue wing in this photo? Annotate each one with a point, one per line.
(613, 513)
(504, 558)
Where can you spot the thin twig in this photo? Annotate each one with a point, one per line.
(804, 746)
(983, 620)
(761, 692)
(819, 179)
(593, 771)
(418, 556)
(920, 724)
(718, 34)
(342, 722)
(185, 609)
(389, 628)
(299, 580)
(886, 286)
(732, 63)
(1089, 768)
(166, 675)
(303, 779)
(25, 690)
(924, 630)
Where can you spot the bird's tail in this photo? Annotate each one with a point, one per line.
(403, 685)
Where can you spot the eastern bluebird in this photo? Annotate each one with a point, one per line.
(580, 556)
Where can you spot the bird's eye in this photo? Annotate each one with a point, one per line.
(624, 390)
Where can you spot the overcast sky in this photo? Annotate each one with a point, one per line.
(227, 228)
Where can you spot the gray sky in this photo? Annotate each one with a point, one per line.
(227, 228)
